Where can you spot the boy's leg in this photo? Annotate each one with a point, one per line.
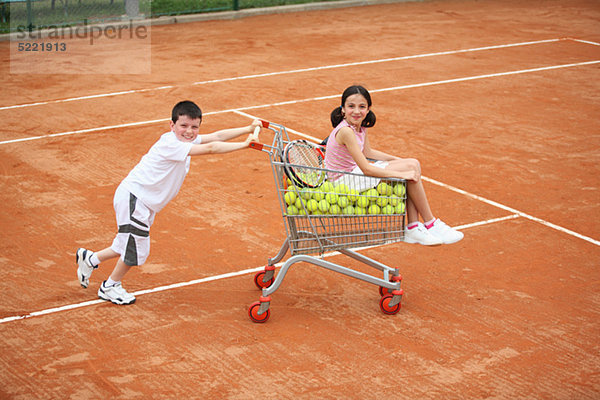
(111, 289)
(88, 261)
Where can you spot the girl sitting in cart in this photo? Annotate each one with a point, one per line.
(348, 150)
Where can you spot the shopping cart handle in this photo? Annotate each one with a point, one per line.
(256, 145)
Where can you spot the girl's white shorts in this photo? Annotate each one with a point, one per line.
(134, 220)
(362, 183)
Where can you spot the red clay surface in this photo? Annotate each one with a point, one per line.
(509, 312)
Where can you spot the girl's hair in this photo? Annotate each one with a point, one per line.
(336, 115)
(187, 108)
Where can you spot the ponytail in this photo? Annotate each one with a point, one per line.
(336, 116)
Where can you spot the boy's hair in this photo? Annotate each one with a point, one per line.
(337, 116)
(187, 108)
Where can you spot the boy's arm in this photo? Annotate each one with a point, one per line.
(220, 147)
(228, 134)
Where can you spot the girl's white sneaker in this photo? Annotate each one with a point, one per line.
(445, 233)
(421, 235)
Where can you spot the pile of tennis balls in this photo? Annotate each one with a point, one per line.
(338, 199)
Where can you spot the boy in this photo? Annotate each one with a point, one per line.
(150, 185)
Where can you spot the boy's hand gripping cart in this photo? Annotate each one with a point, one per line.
(342, 211)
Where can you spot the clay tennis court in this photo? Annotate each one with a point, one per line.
(497, 99)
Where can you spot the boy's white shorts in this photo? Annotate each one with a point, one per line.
(134, 220)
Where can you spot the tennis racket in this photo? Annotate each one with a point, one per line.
(303, 163)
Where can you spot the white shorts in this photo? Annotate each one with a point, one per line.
(362, 183)
(134, 220)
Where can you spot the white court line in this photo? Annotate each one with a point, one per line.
(512, 210)
(586, 41)
(333, 96)
(295, 71)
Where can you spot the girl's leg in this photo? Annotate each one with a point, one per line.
(416, 202)
(418, 199)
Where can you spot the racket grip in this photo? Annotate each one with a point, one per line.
(256, 146)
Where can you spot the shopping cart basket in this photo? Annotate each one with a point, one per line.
(343, 211)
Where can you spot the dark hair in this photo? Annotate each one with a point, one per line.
(336, 115)
(187, 108)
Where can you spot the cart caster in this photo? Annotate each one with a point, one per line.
(259, 311)
(390, 303)
(383, 291)
(264, 279)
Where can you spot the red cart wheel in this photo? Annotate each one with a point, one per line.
(385, 307)
(258, 280)
(252, 313)
(383, 291)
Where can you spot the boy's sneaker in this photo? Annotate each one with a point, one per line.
(421, 235)
(445, 233)
(115, 294)
(84, 266)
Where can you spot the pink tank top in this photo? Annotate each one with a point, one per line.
(337, 156)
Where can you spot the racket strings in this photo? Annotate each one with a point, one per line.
(305, 161)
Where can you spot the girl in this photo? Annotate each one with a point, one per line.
(348, 149)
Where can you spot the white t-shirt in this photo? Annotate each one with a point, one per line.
(157, 178)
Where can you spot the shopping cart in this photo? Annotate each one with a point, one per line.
(343, 211)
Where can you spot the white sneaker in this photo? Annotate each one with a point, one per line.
(421, 235)
(84, 266)
(115, 294)
(445, 233)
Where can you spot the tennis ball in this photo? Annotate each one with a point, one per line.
(292, 210)
(298, 202)
(363, 201)
(341, 189)
(323, 206)
(293, 189)
(301, 211)
(388, 209)
(327, 187)
(312, 205)
(382, 201)
(374, 209)
(371, 194)
(318, 195)
(384, 189)
(394, 200)
(343, 202)
(306, 194)
(352, 195)
(399, 190)
(290, 197)
(331, 198)
(348, 210)
(335, 209)
(400, 208)
(360, 210)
